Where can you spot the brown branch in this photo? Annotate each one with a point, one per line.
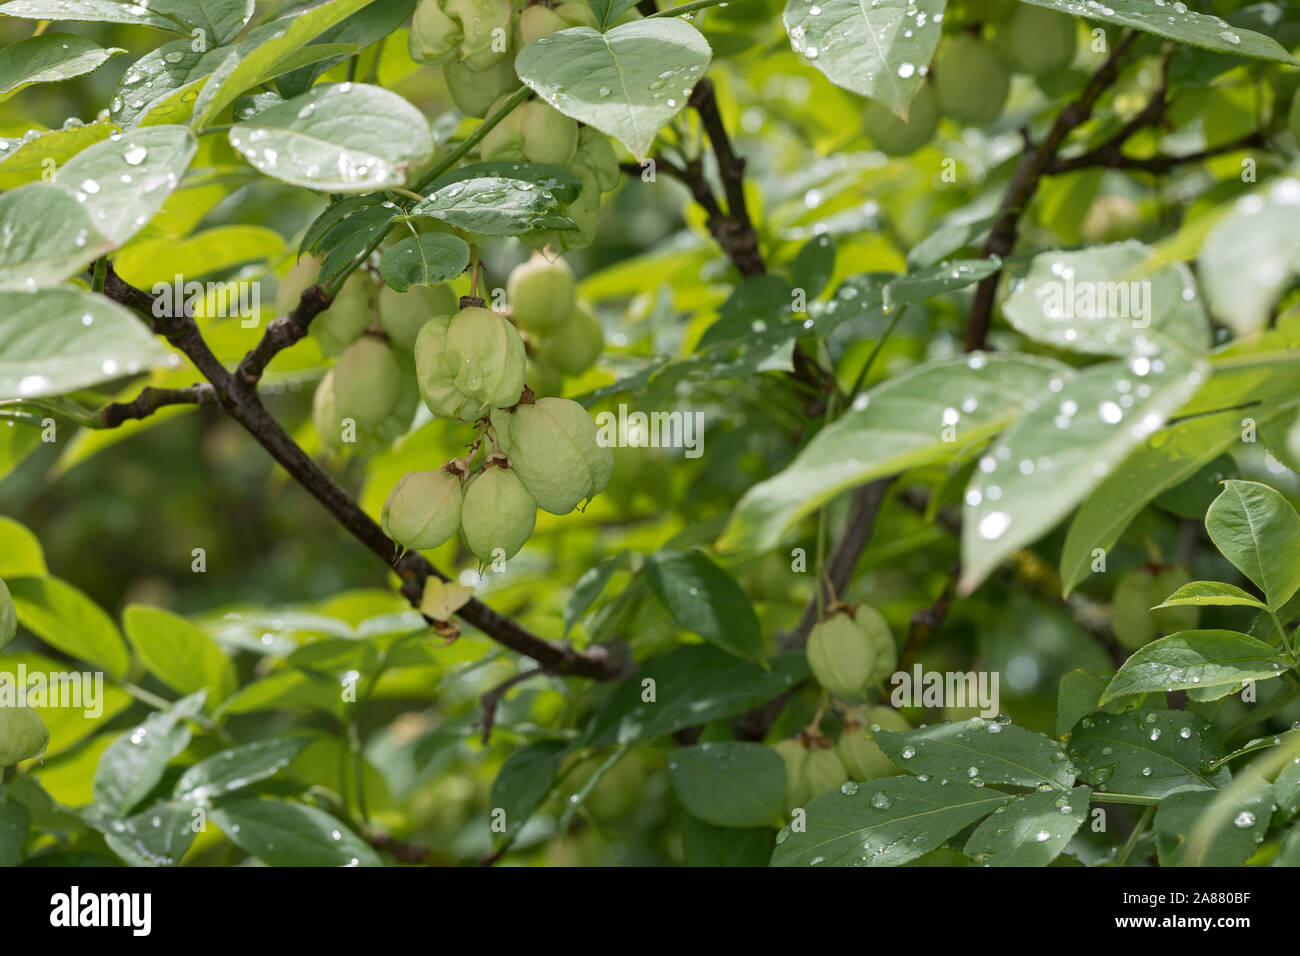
(864, 506)
(151, 399)
(239, 398)
(1035, 162)
(492, 700)
(1157, 165)
(928, 620)
(280, 334)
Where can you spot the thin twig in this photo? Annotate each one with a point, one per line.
(492, 700)
(1035, 162)
(151, 399)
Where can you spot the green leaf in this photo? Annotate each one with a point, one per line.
(423, 260)
(607, 11)
(1204, 660)
(368, 25)
(900, 424)
(688, 686)
(64, 244)
(1031, 830)
(1250, 256)
(502, 198)
(1084, 302)
(1203, 593)
(93, 11)
(1076, 697)
(705, 599)
(257, 58)
(179, 654)
(83, 339)
(66, 619)
(1052, 458)
(157, 78)
(522, 783)
(23, 159)
(49, 58)
(1286, 789)
(236, 768)
(123, 182)
(158, 836)
(813, 266)
(705, 845)
(883, 822)
(21, 554)
(979, 750)
(1208, 828)
(8, 616)
(1184, 26)
(1146, 752)
(280, 833)
(220, 20)
(208, 252)
(14, 824)
(133, 764)
(729, 784)
(879, 50)
(338, 138)
(1256, 529)
(928, 282)
(1167, 458)
(285, 690)
(627, 83)
(73, 716)
(588, 588)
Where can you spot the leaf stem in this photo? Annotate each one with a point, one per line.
(1138, 830)
(689, 8)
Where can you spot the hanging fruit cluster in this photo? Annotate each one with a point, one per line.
(538, 451)
(815, 764)
(972, 74)
(475, 42)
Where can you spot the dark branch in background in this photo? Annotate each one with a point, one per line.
(1044, 160)
(1035, 162)
(864, 505)
(237, 394)
(733, 229)
(928, 620)
(151, 399)
(492, 700)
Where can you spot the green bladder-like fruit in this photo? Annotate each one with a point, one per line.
(469, 363)
(348, 315)
(857, 746)
(824, 770)
(553, 448)
(1037, 41)
(470, 32)
(22, 734)
(596, 155)
(403, 314)
(543, 377)
(795, 756)
(844, 651)
(423, 509)
(8, 616)
(539, 20)
(473, 91)
(498, 514)
(577, 343)
(891, 135)
(533, 132)
(1139, 590)
(971, 81)
(541, 293)
(367, 382)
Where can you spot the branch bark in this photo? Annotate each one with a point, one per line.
(864, 506)
(151, 399)
(236, 392)
(1035, 162)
